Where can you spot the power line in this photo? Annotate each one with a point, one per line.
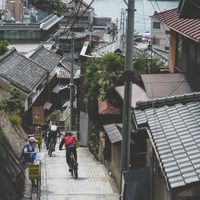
(192, 2)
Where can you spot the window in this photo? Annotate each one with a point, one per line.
(156, 41)
(167, 32)
(156, 25)
(167, 48)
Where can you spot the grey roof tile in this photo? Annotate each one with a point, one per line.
(21, 71)
(174, 132)
(113, 133)
(45, 58)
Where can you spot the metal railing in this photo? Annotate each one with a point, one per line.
(65, 114)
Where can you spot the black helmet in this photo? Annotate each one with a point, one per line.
(68, 133)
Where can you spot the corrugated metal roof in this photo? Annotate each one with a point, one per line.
(174, 133)
(163, 85)
(188, 27)
(138, 94)
(113, 133)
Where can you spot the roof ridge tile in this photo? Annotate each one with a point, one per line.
(169, 100)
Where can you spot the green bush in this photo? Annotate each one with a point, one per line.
(15, 119)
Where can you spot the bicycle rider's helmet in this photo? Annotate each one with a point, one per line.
(68, 134)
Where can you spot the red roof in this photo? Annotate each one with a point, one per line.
(106, 108)
(188, 27)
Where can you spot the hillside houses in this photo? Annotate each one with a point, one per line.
(184, 45)
(35, 75)
(165, 136)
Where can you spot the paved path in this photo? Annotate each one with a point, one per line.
(93, 182)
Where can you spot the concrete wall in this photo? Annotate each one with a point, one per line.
(115, 162)
(191, 192)
(160, 188)
(101, 147)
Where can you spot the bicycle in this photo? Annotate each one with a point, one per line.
(74, 165)
(51, 147)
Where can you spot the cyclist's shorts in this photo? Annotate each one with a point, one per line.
(70, 146)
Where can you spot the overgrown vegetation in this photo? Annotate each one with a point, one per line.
(15, 119)
(13, 106)
(142, 65)
(3, 45)
(100, 78)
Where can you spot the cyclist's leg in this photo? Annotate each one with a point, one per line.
(75, 153)
(48, 142)
(55, 141)
(68, 157)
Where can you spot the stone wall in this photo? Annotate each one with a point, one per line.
(12, 140)
(93, 141)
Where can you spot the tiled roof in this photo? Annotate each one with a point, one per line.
(113, 133)
(187, 27)
(174, 134)
(21, 71)
(45, 58)
(66, 73)
(117, 46)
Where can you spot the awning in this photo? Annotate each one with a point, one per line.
(113, 133)
(56, 90)
(47, 105)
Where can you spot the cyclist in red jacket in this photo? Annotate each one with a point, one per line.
(71, 143)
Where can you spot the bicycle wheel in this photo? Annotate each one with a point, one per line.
(75, 168)
(72, 164)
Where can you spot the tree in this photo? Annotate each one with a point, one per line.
(3, 45)
(143, 65)
(13, 104)
(100, 79)
(56, 7)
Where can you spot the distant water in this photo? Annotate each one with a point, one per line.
(144, 9)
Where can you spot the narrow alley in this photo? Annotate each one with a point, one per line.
(93, 180)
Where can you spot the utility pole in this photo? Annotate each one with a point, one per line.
(72, 85)
(128, 78)
(123, 16)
